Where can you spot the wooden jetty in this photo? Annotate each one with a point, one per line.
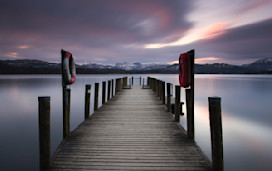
(131, 131)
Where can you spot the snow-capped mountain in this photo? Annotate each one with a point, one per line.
(139, 66)
(42, 67)
(261, 65)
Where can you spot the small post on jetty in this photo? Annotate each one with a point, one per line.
(112, 85)
(159, 88)
(44, 132)
(177, 103)
(140, 80)
(132, 80)
(109, 87)
(116, 85)
(190, 97)
(168, 97)
(68, 77)
(143, 83)
(66, 113)
(103, 92)
(216, 133)
(96, 91)
(163, 92)
(87, 100)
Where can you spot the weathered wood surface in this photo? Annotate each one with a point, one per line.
(130, 132)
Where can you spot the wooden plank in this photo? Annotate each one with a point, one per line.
(130, 132)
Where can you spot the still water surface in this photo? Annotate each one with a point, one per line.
(246, 110)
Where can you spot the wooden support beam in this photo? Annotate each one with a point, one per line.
(87, 100)
(177, 103)
(103, 92)
(44, 132)
(216, 133)
(96, 92)
(66, 113)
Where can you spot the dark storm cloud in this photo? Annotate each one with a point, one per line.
(245, 42)
(90, 23)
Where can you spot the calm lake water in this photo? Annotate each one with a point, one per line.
(246, 110)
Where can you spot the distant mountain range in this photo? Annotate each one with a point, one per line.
(263, 66)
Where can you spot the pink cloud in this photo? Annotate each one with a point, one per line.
(206, 59)
(215, 30)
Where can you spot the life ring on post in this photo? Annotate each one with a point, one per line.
(184, 70)
(69, 68)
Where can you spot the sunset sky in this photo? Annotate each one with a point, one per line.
(146, 31)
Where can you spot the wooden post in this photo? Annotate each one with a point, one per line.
(157, 86)
(132, 80)
(177, 103)
(140, 80)
(109, 87)
(154, 85)
(103, 92)
(96, 91)
(190, 114)
(216, 133)
(163, 92)
(119, 84)
(112, 82)
(148, 81)
(143, 82)
(124, 80)
(116, 85)
(168, 97)
(87, 101)
(66, 113)
(44, 132)
(159, 89)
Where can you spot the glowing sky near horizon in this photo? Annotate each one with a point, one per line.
(146, 31)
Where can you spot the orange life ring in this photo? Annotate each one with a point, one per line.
(184, 70)
(69, 68)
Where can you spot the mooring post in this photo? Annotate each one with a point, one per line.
(168, 97)
(143, 83)
(124, 82)
(96, 91)
(44, 132)
(112, 82)
(87, 100)
(120, 84)
(148, 81)
(163, 92)
(190, 114)
(66, 113)
(132, 80)
(154, 84)
(140, 80)
(116, 85)
(177, 103)
(103, 92)
(159, 89)
(216, 133)
(109, 87)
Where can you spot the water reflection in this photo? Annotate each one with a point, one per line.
(246, 113)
